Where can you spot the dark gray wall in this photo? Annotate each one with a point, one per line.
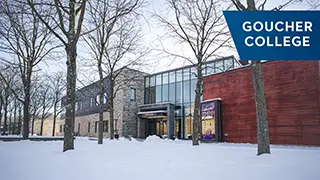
(84, 95)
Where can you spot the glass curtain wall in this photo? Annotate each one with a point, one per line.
(178, 87)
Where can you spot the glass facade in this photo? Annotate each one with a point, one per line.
(178, 87)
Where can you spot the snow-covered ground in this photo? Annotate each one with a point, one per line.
(154, 159)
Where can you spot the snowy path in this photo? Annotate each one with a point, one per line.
(154, 159)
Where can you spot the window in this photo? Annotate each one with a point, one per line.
(105, 126)
(91, 102)
(79, 105)
(186, 91)
(147, 82)
(96, 126)
(105, 98)
(97, 100)
(179, 92)
(186, 74)
(158, 94)
(172, 77)
(219, 66)
(132, 94)
(193, 73)
(179, 75)
(61, 128)
(228, 64)
(211, 68)
(165, 93)
(193, 88)
(165, 79)
(88, 127)
(152, 81)
(76, 106)
(158, 79)
(172, 92)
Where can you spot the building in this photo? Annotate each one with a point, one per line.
(129, 94)
(169, 98)
(293, 102)
(143, 106)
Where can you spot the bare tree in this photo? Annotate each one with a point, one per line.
(24, 37)
(67, 11)
(200, 26)
(7, 84)
(111, 19)
(57, 84)
(46, 104)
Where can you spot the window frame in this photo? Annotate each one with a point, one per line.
(134, 94)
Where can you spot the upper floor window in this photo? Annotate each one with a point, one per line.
(105, 99)
(132, 94)
(78, 105)
(97, 99)
(91, 102)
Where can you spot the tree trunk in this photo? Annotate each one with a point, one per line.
(41, 128)
(111, 107)
(55, 115)
(10, 123)
(5, 124)
(1, 103)
(68, 143)
(261, 109)
(14, 117)
(101, 105)
(196, 113)
(33, 119)
(26, 115)
(20, 120)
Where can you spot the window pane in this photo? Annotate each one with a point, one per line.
(219, 66)
(152, 96)
(179, 92)
(193, 73)
(158, 94)
(132, 94)
(172, 92)
(147, 95)
(186, 91)
(228, 64)
(186, 74)
(172, 77)
(193, 88)
(210, 68)
(152, 81)
(165, 94)
(165, 79)
(147, 81)
(158, 80)
(179, 75)
(204, 71)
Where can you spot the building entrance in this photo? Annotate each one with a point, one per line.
(160, 128)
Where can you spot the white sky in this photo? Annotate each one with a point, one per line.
(151, 31)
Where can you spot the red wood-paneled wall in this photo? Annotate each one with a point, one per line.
(293, 102)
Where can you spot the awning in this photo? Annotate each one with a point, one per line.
(153, 114)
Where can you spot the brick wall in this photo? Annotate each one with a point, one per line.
(293, 102)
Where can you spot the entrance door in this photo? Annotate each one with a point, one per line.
(151, 127)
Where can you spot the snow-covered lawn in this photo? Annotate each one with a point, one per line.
(154, 159)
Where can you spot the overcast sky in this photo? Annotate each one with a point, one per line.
(151, 31)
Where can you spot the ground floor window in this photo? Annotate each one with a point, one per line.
(105, 126)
